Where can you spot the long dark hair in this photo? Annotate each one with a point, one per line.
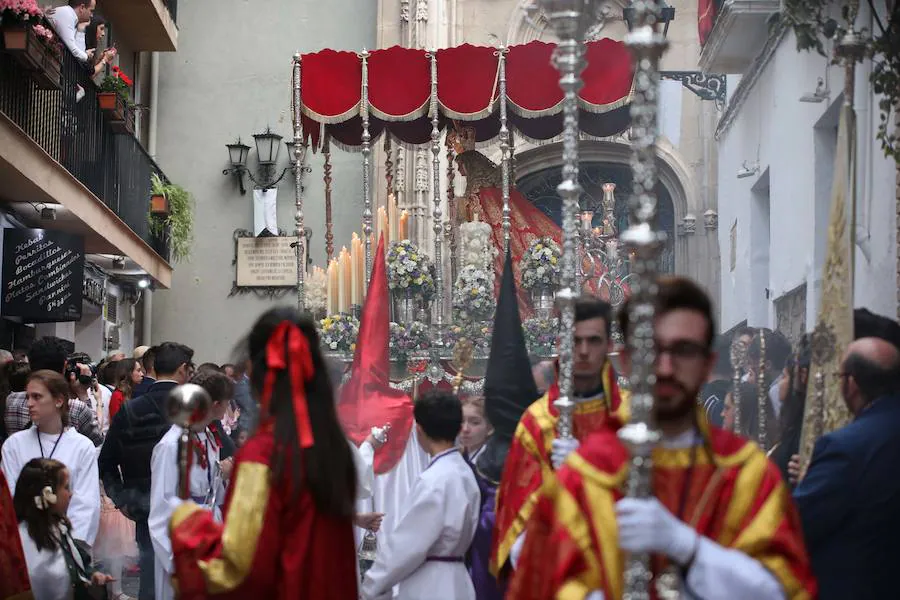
(37, 474)
(327, 467)
(90, 32)
(124, 369)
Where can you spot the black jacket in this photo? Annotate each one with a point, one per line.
(132, 435)
(848, 504)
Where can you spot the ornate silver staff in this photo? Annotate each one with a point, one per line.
(570, 20)
(366, 152)
(762, 393)
(300, 169)
(645, 242)
(437, 227)
(504, 144)
(186, 406)
(737, 355)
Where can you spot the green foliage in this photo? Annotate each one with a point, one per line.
(179, 223)
(811, 24)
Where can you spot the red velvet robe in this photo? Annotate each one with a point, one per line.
(528, 461)
(736, 498)
(14, 582)
(270, 545)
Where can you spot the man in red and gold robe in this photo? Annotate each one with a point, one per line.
(534, 451)
(722, 523)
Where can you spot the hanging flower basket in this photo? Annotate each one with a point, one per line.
(114, 100)
(159, 205)
(37, 50)
(118, 114)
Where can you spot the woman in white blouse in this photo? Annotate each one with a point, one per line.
(51, 437)
(58, 569)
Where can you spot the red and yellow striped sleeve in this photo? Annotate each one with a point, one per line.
(235, 556)
(762, 521)
(527, 465)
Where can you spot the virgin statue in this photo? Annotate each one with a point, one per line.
(483, 200)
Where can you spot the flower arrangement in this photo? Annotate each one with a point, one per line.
(409, 270)
(315, 289)
(19, 11)
(339, 332)
(541, 265)
(479, 333)
(541, 335)
(475, 245)
(118, 83)
(406, 339)
(473, 294)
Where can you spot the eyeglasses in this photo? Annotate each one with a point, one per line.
(682, 351)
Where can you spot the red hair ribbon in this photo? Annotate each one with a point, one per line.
(288, 349)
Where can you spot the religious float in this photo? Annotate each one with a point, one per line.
(443, 269)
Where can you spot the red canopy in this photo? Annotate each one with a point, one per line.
(468, 88)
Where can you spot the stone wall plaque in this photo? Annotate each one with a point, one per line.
(266, 262)
(43, 274)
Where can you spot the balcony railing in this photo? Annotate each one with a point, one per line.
(69, 125)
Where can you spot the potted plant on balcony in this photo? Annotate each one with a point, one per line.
(159, 204)
(177, 223)
(16, 16)
(114, 99)
(30, 42)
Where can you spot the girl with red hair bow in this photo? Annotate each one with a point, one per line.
(287, 531)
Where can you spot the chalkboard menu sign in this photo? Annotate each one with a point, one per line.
(43, 273)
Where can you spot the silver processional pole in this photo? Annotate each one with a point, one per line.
(647, 44)
(570, 19)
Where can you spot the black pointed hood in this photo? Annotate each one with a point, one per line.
(509, 386)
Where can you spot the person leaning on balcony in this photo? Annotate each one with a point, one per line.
(94, 33)
(65, 20)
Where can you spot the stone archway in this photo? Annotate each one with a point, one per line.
(535, 168)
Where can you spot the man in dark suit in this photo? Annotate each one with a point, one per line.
(849, 501)
(125, 458)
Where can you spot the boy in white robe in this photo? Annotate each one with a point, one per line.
(425, 550)
(207, 477)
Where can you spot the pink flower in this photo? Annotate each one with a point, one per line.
(19, 10)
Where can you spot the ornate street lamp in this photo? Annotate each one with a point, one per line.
(268, 145)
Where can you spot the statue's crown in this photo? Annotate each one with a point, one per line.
(462, 138)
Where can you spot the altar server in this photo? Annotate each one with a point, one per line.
(425, 551)
(47, 400)
(206, 476)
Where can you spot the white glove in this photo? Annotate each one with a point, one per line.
(646, 526)
(595, 595)
(560, 449)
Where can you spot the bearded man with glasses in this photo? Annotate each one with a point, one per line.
(721, 520)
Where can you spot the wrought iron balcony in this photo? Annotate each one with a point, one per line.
(69, 126)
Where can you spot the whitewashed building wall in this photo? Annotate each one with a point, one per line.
(778, 217)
